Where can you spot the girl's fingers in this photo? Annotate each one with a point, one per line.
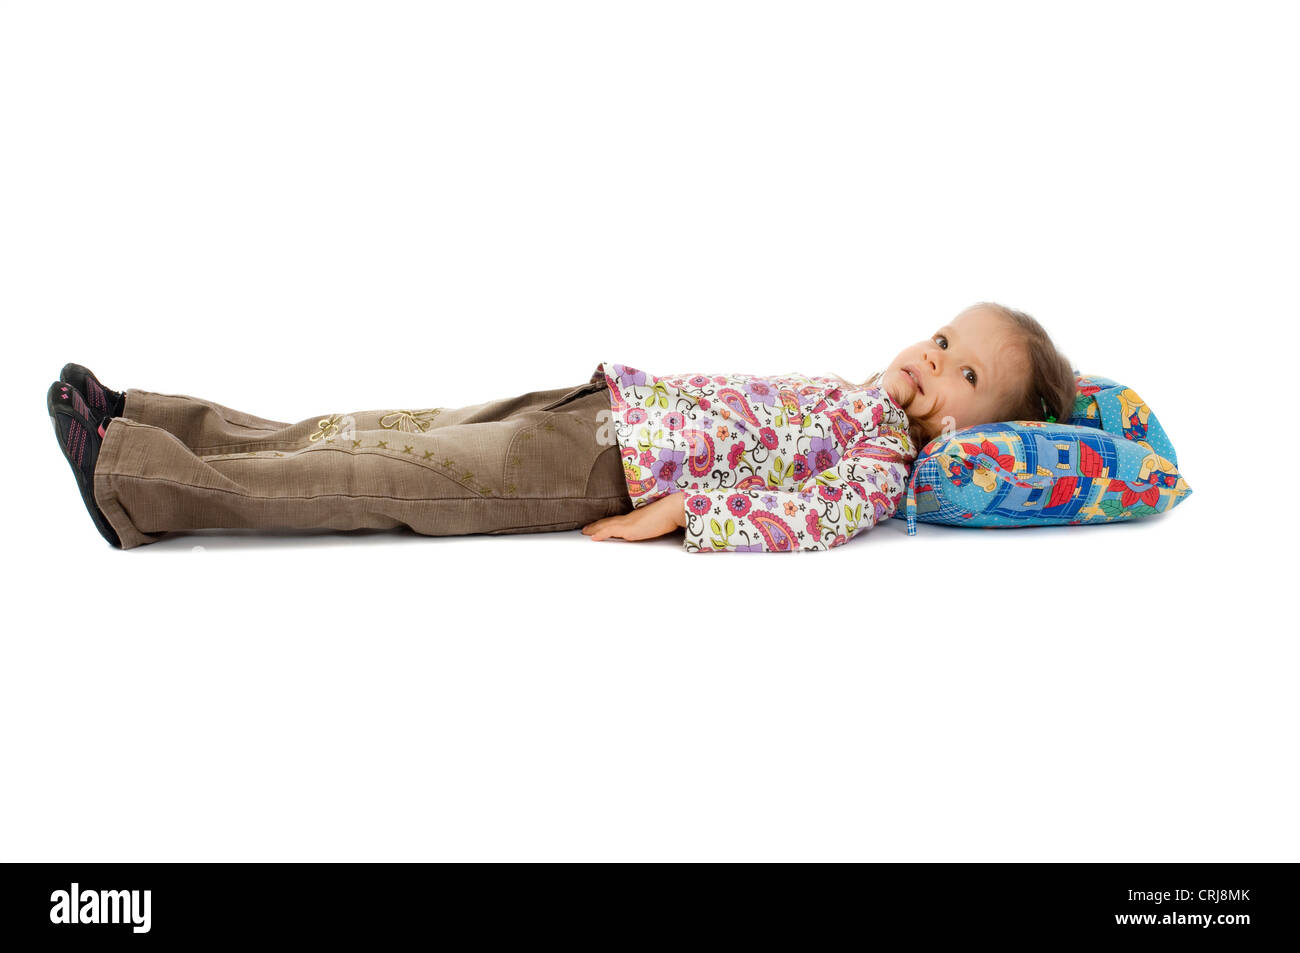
(615, 527)
(610, 529)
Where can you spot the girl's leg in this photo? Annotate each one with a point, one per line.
(204, 425)
(530, 463)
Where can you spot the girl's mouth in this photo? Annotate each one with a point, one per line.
(915, 383)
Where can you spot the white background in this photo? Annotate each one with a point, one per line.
(306, 208)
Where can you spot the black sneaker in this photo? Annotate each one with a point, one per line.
(80, 435)
(104, 404)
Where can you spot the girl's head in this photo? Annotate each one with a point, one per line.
(987, 364)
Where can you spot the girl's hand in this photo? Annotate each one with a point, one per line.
(654, 519)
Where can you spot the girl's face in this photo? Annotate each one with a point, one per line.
(965, 371)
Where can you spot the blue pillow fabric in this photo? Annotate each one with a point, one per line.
(1111, 461)
(1117, 409)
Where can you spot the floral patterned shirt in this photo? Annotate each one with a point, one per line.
(768, 463)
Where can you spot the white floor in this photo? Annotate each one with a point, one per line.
(1102, 693)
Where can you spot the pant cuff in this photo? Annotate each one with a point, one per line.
(116, 436)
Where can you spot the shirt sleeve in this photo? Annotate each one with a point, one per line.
(823, 511)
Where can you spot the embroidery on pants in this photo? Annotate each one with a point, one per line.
(332, 426)
(410, 421)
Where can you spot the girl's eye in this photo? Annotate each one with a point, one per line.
(971, 378)
(940, 337)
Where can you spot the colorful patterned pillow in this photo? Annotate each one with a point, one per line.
(1111, 461)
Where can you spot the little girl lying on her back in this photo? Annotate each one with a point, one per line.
(784, 463)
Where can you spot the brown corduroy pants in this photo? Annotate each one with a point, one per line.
(527, 464)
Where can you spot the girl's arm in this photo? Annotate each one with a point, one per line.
(647, 522)
(824, 511)
(828, 509)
